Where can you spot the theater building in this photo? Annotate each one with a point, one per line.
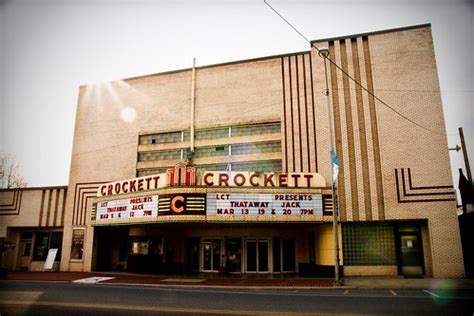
(227, 168)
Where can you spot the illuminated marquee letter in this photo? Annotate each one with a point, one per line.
(103, 190)
(177, 204)
(239, 179)
(252, 181)
(206, 180)
(223, 179)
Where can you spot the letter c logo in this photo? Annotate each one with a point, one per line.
(177, 204)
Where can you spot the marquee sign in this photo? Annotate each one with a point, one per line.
(137, 207)
(182, 204)
(230, 204)
(271, 179)
(182, 175)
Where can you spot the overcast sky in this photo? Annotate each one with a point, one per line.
(48, 48)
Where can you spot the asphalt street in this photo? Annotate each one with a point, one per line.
(66, 298)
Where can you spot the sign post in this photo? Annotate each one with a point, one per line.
(49, 263)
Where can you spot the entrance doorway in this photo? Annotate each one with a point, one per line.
(284, 255)
(410, 250)
(233, 250)
(211, 259)
(192, 254)
(411, 255)
(25, 250)
(257, 255)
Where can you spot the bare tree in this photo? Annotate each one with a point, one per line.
(9, 176)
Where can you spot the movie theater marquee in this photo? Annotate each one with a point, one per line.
(228, 204)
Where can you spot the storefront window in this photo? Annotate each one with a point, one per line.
(45, 241)
(77, 246)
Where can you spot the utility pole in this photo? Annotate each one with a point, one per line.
(464, 153)
(324, 53)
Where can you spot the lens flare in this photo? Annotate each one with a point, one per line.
(128, 114)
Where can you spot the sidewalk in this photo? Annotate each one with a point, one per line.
(382, 282)
(391, 282)
(128, 278)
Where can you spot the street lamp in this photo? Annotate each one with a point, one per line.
(324, 53)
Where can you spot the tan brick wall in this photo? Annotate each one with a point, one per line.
(403, 73)
(32, 207)
(404, 69)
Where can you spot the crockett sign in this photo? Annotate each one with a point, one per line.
(182, 175)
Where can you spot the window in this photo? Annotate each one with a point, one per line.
(160, 138)
(212, 133)
(159, 155)
(211, 151)
(45, 241)
(213, 167)
(258, 166)
(222, 149)
(256, 148)
(140, 247)
(256, 129)
(368, 244)
(77, 244)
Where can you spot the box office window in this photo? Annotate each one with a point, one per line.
(140, 247)
(45, 241)
(144, 246)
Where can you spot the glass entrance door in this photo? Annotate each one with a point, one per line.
(211, 249)
(411, 254)
(233, 249)
(257, 255)
(25, 250)
(288, 247)
(192, 254)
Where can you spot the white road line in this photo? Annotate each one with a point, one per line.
(393, 292)
(93, 280)
(346, 291)
(431, 293)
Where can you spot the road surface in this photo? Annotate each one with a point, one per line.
(66, 298)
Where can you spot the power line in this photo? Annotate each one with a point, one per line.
(352, 78)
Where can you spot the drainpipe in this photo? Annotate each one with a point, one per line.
(193, 92)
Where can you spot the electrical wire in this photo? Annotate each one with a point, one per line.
(353, 79)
